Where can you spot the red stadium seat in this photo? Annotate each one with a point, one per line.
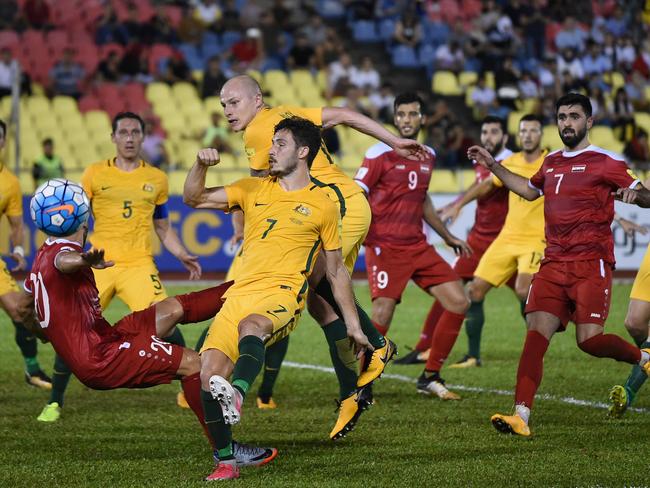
(175, 15)
(108, 93)
(9, 39)
(158, 52)
(133, 91)
(58, 41)
(106, 49)
(89, 102)
(33, 40)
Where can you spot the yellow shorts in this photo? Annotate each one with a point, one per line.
(504, 257)
(235, 265)
(356, 223)
(641, 286)
(7, 282)
(138, 286)
(281, 308)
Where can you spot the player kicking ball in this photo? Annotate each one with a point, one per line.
(64, 309)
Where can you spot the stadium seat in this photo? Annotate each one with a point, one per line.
(445, 83)
(467, 78)
(176, 182)
(443, 181)
(276, 81)
(229, 38)
(465, 178)
(436, 33)
(158, 53)
(38, 106)
(427, 55)
(64, 105)
(404, 57)
(89, 102)
(489, 79)
(157, 91)
(183, 92)
(365, 31)
(97, 120)
(642, 119)
(9, 38)
(551, 139)
(386, 29)
(513, 122)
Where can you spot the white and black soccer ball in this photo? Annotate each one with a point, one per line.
(59, 207)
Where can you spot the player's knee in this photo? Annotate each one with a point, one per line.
(190, 364)
(522, 291)
(458, 304)
(13, 311)
(174, 307)
(637, 326)
(253, 326)
(476, 292)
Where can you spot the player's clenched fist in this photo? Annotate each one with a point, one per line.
(207, 157)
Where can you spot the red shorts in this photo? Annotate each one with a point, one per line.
(577, 291)
(138, 359)
(390, 269)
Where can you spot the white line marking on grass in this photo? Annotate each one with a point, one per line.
(475, 389)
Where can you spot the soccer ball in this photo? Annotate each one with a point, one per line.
(59, 207)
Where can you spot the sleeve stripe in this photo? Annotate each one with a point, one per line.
(634, 183)
(530, 184)
(362, 185)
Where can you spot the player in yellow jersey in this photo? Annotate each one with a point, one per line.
(11, 205)
(289, 221)
(245, 110)
(519, 247)
(128, 198)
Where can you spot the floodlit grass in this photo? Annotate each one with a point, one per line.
(140, 438)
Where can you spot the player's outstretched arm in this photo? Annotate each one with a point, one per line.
(452, 211)
(407, 148)
(431, 217)
(639, 196)
(173, 244)
(339, 279)
(195, 194)
(515, 183)
(73, 261)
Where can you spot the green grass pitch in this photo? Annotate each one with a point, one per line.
(140, 438)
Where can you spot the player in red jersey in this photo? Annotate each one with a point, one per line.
(579, 184)
(491, 210)
(65, 311)
(396, 247)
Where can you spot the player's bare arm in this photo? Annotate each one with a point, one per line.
(431, 217)
(515, 183)
(630, 227)
(195, 194)
(407, 148)
(16, 238)
(27, 315)
(639, 196)
(173, 244)
(339, 279)
(73, 261)
(451, 212)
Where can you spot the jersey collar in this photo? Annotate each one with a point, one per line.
(570, 154)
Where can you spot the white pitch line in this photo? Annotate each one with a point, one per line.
(474, 389)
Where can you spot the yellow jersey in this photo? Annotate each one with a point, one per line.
(525, 219)
(123, 204)
(258, 138)
(10, 195)
(283, 234)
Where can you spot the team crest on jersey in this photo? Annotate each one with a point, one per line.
(424, 168)
(250, 152)
(302, 210)
(400, 166)
(147, 187)
(579, 168)
(296, 221)
(550, 170)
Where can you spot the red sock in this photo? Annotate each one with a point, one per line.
(443, 340)
(531, 368)
(192, 389)
(611, 346)
(429, 326)
(382, 329)
(202, 305)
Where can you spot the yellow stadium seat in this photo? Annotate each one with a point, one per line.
(38, 105)
(157, 91)
(276, 80)
(173, 123)
(616, 79)
(257, 76)
(467, 78)
(74, 175)
(443, 181)
(228, 161)
(642, 119)
(445, 83)
(321, 80)
(465, 178)
(302, 78)
(468, 96)
(106, 149)
(187, 150)
(601, 134)
(211, 104)
(98, 119)
(26, 181)
(176, 182)
(216, 178)
(183, 92)
(489, 79)
(528, 105)
(86, 154)
(513, 122)
(197, 75)
(64, 105)
(551, 139)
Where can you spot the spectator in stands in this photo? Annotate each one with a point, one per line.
(251, 15)
(456, 145)
(315, 30)
(441, 116)
(230, 18)
(609, 48)
(67, 75)
(625, 53)
(37, 14)
(641, 62)
(159, 28)
(623, 115)
(482, 97)
(360, 9)
(354, 100)
(637, 150)
(501, 34)
(48, 166)
(213, 78)
(366, 77)
(135, 30)
(568, 61)
(547, 75)
(600, 107)
(301, 55)
(547, 112)
(109, 29)
(617, 23)
(595, 61)
(339, 74)
(8, 70)
(109, 68)
(636, 89)
(177, 70)
(189, 30)
(527, 86)
(271, 37)
(533, 25)
(216, 135)
(248, 52)
(571, 36)
(207, 12)
(602, 8)
(281, 15)
(330, 51)
(9, 15)
(450, 57)
(408, 29)
(153, 148)
(382, 101)
(388, 9)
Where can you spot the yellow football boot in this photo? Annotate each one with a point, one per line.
(377, 363)
(510, 424)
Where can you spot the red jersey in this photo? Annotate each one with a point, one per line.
(67, 307)
(491, 209)
(396, 188)
(578, 204)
